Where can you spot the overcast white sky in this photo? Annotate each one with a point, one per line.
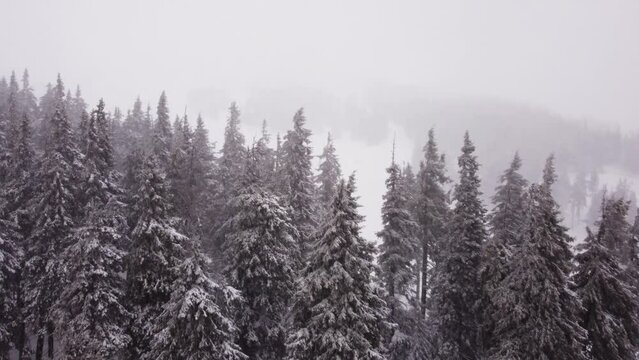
(578, 58)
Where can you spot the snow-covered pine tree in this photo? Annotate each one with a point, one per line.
(577, 198)
(633, 256)
(11, 255)
(398, 250)
(233, 156)
(178, 173)
(540, 314)
(155, 255)
(55, 207)
(77, 107)
(28, 101)
(10, 124)
(506, 224)
(432, 209)
(4, 91)
(265, 157)
(399, 237)
(456, 288)
(412, 191)
(329, 173)
(228, 177)
(196, 323)
(162, 136)
(338, 312)
(91, 311)
(16, 197)
(204, 184)
(610, 303)
(262, 249)
(298, 176)
(133, 131)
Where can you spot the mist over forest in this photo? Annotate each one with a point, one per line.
(296, 180)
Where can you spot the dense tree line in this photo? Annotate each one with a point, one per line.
(126, 236)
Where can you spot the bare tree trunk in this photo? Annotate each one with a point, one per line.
(424, 289)
(50, 348)
(39, 347)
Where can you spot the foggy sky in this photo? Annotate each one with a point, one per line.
(579, 58)
(576, 58)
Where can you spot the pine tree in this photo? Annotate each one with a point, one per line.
(399, 237)
(17, 196)
(156, 252)
(396, 259)
(262, 248)
(91, 309)
(338, 312)
(179, 174)
(456, 287)
(10, 267)
(195, 323)
(540, 314)
(56, 209)
(46, 105)
(9, 128)
(506, 223)
(202, 171)
(4, 93)
(233, 155)
(28, 101)
(134, 131)
(20, 187)
(228, 178)
(432, 209)
(77, 107)
(329, 174)
(611, 307)
(633, 256)
(265, 157)
(298, 177)
(162, 136)
(577, 199)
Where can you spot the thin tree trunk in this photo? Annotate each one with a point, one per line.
(50, 346)
(424, 289)
(39, 347)
(20, 341)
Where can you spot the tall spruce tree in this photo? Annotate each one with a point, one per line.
(262, 248)
(298, 177)
(457, 289)
(432, 209)
(196, 322)
(179, 175)
(265, 157)
(329, 174)
(10, 124)
(91, 309)
(399, 237)
(506, 223)
(28, 101)
(56, 208)
(233, 156)
(610, 303)
(398, 250)
(162, 136)
(229, 179)
(338, 313)
(11, 255)
(202, 172)
(155, 255)
(540, 314)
